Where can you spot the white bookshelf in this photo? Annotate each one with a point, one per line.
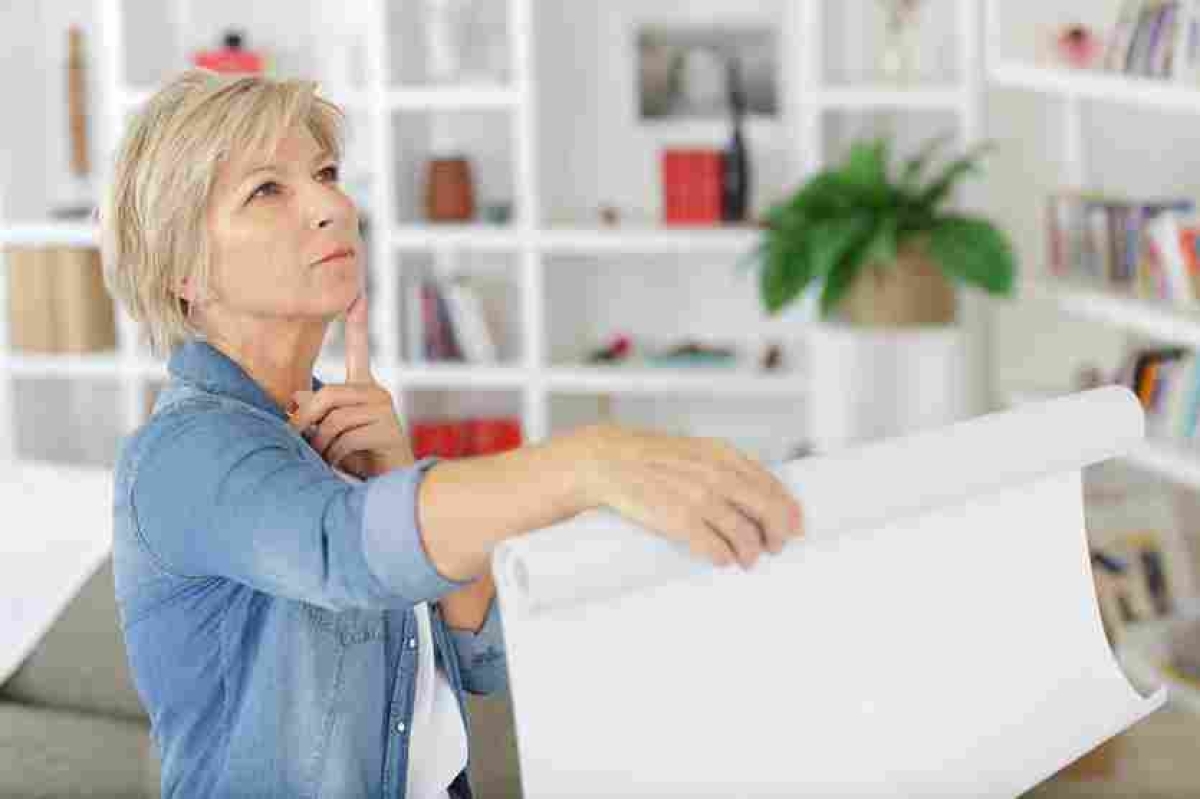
(1176, 461)
(528, 244)
(1147, 319)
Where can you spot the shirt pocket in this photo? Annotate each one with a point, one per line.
(346, 627)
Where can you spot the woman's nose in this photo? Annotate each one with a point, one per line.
(327, 207)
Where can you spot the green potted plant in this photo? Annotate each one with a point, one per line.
(886, 250)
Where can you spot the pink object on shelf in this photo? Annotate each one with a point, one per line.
(1078, 46)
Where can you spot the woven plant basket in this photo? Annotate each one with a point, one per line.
(913, 291)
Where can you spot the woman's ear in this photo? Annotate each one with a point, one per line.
(186, 289)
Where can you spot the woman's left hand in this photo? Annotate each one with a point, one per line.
(354, 425)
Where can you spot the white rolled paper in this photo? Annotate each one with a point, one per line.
(935, 633)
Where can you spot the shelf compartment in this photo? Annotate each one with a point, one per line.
(67, 420)
(770, 429)
(484, 137)
(481, 31)
(492, 303)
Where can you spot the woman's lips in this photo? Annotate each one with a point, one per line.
(335, 257)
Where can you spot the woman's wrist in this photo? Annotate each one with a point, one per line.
(582, 452)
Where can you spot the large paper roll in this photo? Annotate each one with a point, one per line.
(599, 554)
(935, 633)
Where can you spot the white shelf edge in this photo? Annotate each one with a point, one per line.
(451, 98)
(945, 97)
(465, 236)
(583, 379)
(715, 382)
(1154, 319)
(49, 233)
(638, 240)
(68, 365)
(1108, 87)
(424, 236)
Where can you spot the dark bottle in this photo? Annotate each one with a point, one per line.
(735, 164)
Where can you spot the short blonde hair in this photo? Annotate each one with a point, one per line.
(152, 217)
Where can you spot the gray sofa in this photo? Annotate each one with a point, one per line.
(71, 723)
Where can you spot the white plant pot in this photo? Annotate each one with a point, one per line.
(875, 383)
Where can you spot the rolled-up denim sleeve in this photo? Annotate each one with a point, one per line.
(481, 658)
(392, 539)
(225, 494)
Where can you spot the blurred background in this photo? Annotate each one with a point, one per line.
(579, 210)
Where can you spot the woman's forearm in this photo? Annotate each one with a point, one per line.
(466, 506)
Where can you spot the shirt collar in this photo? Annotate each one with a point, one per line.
(201, 363)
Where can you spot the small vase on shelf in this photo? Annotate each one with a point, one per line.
(898, 47)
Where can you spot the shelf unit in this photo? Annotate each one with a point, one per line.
(1176, 461)
(527, 241)
(1145, 318)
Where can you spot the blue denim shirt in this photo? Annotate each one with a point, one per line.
(266, 603)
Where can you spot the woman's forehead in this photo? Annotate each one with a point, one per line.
(297, 146)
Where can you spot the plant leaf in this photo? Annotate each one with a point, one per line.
(914, 166)
(865, 172)
(786, 271)
(881, 248)
(975, 251)
(837, 283)
(941, 186)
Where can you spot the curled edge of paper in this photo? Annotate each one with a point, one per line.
(598, 554)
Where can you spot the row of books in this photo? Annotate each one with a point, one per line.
(57, 301)
(1156, 38)
(1143, 248)
(457, 438)
(446, 322)
(1167, 381)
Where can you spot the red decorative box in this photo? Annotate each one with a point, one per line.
(462, 437)
(691, 179)
(444, 439)
(493, 435)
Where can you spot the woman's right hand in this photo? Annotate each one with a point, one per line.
(703, 492)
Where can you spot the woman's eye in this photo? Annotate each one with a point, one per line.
(269, 184)
(332, 171)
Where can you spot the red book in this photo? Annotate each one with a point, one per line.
(691, 186)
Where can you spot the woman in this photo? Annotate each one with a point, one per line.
(302, 603)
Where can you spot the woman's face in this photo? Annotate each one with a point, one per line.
(270, 225)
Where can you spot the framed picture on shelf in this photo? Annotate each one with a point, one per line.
(682, 70)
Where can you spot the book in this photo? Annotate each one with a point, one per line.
(1166, 235)
(30, 300)
(467, 319)
(85, 320)
(57, 301)
(1122, 35)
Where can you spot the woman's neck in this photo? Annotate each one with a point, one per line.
(280, 362)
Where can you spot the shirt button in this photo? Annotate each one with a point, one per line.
(400, 727)
(412, 643)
